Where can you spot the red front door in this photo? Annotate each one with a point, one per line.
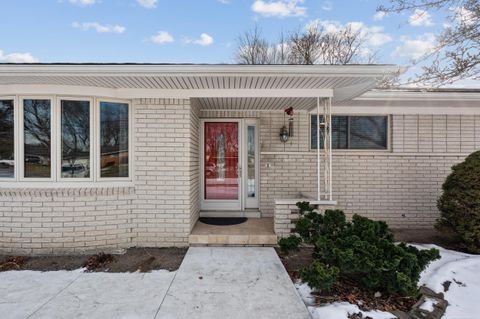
(220, 168)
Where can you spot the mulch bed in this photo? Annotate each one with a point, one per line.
(134, 259)
(345, 290)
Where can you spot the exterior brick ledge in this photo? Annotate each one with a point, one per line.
(66, 192)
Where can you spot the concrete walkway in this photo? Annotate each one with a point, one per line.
(233, 283)
(212, 282)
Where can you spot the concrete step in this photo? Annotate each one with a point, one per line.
(254, 232)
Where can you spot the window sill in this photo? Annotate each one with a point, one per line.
(45, 189)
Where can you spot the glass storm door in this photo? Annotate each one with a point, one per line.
(221, 166)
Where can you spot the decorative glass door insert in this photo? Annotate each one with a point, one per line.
(221, 161)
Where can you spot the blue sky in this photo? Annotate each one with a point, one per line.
(194, 31)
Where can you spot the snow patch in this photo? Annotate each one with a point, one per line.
(461, 270)
(341, 310)
(305, 293)
(428, 304)
(337, 310)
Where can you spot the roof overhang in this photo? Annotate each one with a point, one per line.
(199, 82)
(414, 101)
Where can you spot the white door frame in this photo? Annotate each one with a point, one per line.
(220, 204)
(243, 202)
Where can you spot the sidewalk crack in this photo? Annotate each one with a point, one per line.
(55, 295)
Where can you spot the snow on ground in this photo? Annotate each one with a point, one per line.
(462, 270)
(336, 310)
(459, 268)
(428, 304)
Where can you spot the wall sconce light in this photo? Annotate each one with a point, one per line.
(285, 133)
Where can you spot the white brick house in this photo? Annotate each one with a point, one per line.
(113, 156)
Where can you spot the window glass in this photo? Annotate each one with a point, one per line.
(251, 161)
(7, 149)
(37, 138)
(368, 132)
(75, 121)
(339, 132)
(113, 139)
(353, 132)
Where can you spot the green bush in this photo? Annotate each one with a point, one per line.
(362, 250)
(288, 244)
(459, 203)
(319, 276)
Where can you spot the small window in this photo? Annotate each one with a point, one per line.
(37, 138)
(368, 132)
(353, 132)
(113, 139)
(75, 122)
(7, 148)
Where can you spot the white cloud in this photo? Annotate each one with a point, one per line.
(162, 37)
(464, 16)
(204, 40)
(82, 2)
(414, 49)
(224, 1)
(280, 8)
(420, 18)
(100, 28)
(378, 39)
(17, 58)
(327, 6)
(149, 4)
(379, 15)
(374, 35)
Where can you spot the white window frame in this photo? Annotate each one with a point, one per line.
(15, 138)
(55, 179)
(53, 139)
(58, 114)
(97, 142)
(354, 150)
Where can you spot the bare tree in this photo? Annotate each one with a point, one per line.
(345, 46)
(313, 45)
(456, 54)
(253, 48)
(306, 46)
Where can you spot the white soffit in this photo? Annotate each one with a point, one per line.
(413, 101)
(214, 86)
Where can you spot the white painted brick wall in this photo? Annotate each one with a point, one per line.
(400, 186)
(161, 205)
(158, 209)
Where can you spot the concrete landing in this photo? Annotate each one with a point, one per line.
(255, 231)
(234, 283)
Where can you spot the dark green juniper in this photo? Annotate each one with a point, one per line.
(460, 202)
(362, 250)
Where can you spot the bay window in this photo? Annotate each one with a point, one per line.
(64, 139)
(37, 138)
(75, 139)
(7, 144)
(113, 139)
